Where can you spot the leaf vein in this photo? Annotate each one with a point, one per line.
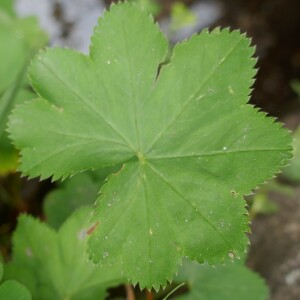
(190, 204)
(91, 107)
(187, 102)
(133, 87)
(216, 153)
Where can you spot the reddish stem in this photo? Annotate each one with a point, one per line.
(149, 296)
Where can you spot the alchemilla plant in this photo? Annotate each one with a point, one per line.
(187, 143)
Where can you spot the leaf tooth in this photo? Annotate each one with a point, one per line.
(250, 41)
(184, 42)
(246, 214)
(254, 61)
(251, 84)
(252, 46)
(216, 30)
(160, 285)
(244, 34)
(254, 69)
(134, 284)
(100, 20)
(203, 31)
(227, 29)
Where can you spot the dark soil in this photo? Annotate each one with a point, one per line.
(275, 248)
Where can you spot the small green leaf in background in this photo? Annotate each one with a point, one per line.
(295, 84)
(181, 16)
(19, 39)
(190, 145)
(262, 204)
(292, 171)
(231, 282)
(80, 190)
(12, 290)
(54, 265)
(261, 201)
(8, 154)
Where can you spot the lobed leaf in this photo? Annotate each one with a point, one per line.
(80, 190)
(54, 265)
(232, 282)
(190, 145)
(12, 290)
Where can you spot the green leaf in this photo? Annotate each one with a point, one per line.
(80, 190)
(231, 282)
(12, 290)
(262, 204)
(19, 39)
(1, 271)
(8, 154)
(181, 16)
(54, 265)
(190, 145)
(13, 58)
(295, 85)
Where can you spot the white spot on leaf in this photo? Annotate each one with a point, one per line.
(28, 252)
(81, 235)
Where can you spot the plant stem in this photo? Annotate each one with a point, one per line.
(129, 292)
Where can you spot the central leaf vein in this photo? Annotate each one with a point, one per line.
(216, 153)
(149, 233)
(133, 86)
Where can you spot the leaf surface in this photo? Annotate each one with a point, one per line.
(54, 265)
(190, 145)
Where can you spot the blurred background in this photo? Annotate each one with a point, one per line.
(274, 26)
